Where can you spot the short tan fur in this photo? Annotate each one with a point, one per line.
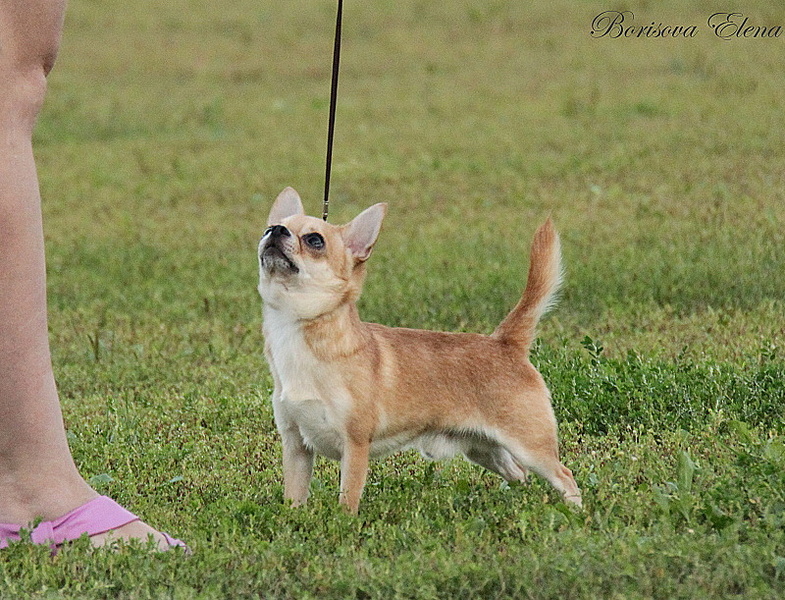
(353, 391)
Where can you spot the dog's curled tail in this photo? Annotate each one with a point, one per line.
(545, 275)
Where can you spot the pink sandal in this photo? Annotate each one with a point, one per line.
(99, 515)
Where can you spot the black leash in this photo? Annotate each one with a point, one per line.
(333, 98)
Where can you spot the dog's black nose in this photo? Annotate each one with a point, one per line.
(277, 231)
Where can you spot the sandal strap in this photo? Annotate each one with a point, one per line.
(99, 515)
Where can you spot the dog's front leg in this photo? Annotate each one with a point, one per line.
(354, 470)
(297, 467)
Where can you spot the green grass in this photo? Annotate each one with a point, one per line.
(170, 127)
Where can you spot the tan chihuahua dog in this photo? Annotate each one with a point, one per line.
(352, 391)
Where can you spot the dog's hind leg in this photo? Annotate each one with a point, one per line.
(548, 466)
(561, 478)
(494, 457)
(541, 456)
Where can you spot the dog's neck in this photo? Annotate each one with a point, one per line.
(331, 336)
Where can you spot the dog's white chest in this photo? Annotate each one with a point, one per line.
(317, 426)
(309, 395)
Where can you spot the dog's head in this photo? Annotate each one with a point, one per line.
(308, 267)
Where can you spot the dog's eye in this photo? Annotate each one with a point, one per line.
(314, 240)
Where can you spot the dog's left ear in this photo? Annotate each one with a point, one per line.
(360, 234)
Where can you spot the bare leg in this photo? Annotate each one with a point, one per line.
(38, 477)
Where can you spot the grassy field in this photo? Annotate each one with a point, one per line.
(170, 127)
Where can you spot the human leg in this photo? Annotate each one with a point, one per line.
(38, 477)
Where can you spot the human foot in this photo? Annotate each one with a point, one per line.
(101, 518)
(137, 530)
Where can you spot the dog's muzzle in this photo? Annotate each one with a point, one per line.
(272, 254)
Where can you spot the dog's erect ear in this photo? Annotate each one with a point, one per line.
(287, 203)
(361, 233)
